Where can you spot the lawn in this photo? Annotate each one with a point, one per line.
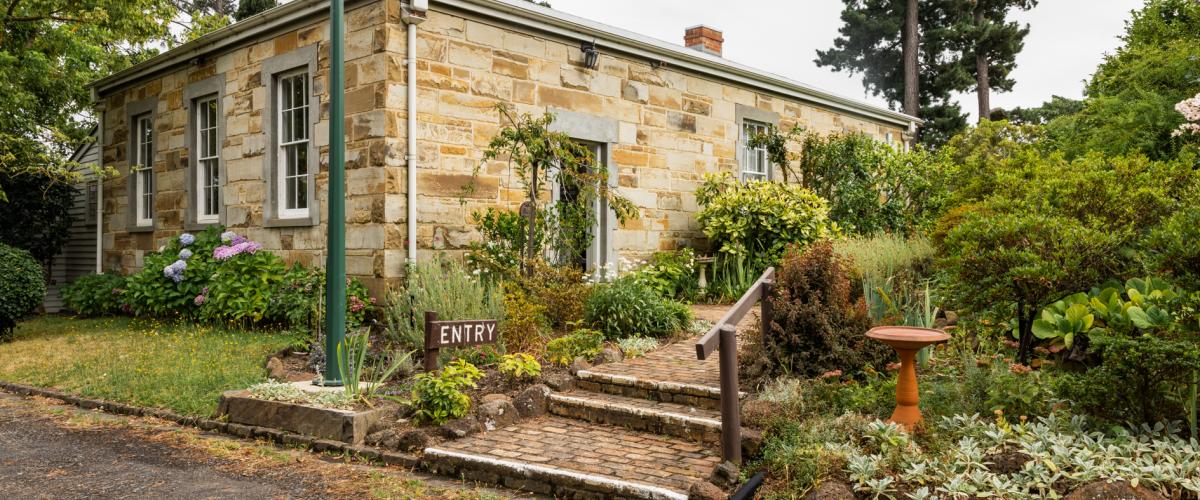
(142, 362)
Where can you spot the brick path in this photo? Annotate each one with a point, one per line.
(646, 427)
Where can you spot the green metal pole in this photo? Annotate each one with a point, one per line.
(335, 245)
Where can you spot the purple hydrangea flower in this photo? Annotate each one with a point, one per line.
(238, 239)
(175, 270)
(200, 299)
(185, 254)
(186, 239)
(224, 252)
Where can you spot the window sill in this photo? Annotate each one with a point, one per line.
(140, 229)
(200, 226)
(290, 222)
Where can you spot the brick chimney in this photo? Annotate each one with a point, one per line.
(704, 39)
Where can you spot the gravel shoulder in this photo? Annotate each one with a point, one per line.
(50, 450)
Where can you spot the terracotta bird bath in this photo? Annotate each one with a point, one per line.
(907, 340)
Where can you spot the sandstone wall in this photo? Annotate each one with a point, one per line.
(674, 127)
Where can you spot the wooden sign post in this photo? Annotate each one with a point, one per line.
(439, 334)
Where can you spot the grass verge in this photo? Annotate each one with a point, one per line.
(141, 362)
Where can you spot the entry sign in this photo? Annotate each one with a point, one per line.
(440, 334)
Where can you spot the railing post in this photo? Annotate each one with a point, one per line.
(731, 414)
(767, 286)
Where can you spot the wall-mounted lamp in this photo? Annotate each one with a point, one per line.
(591, 58)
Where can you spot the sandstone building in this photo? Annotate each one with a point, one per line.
(232, 128)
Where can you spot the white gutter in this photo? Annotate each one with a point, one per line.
(412, 17)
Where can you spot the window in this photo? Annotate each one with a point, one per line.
(143, 170)
(753, 161)
(208, 162)
(293, 142)
(91, 201)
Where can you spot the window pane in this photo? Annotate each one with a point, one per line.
(298, 91)
(298, 128)
(301, 153)
(301, 192)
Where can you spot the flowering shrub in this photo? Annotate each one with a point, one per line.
(172, 278)
(501, 250)
(1190, 109)
(671, 274)
(241, 285)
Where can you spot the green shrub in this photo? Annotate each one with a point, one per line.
(1140, 379)
(438, 397)
(1018, 261)
(671, 274)
(240, 288)
(525, 323)
(165, 288)
(562, 290)
(95, 294)
(21, 289)
(1173, 248)
(627, 307)
(757, 220)
(581, 342)
(503, 244)
(895, 274)
(818, 319)
(481, 355)
(298, 300)
(520, 366)
(444, 287)
(871, 187)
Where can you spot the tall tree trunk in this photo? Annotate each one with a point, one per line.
(982, 85)
(912, 103)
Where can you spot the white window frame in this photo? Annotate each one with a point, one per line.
(753, 163)
(284, 143)
(208, 159)
(143, 170)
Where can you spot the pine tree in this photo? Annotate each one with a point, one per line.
(247, 8)
(989, 44)
(872, 42)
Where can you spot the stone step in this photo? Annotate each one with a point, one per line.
(570, 458)
(701, 425)
(651, 388)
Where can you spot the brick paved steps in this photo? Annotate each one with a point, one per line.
(651, 387)
(576, 459)
(697, 424)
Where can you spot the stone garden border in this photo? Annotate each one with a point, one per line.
(284, 438)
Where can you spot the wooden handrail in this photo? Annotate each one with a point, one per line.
(723, 336)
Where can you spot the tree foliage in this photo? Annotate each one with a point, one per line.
(49, 51)
(247, 8)
(1131, 98)
(43, 208)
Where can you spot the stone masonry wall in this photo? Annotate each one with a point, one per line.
(674, 127)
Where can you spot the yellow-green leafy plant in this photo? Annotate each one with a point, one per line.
(758, 219)
(438, 397)
(582, 342)
(520, 366)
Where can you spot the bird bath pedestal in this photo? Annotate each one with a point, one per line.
(907, 340)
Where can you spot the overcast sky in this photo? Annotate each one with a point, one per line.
(1067, 39)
